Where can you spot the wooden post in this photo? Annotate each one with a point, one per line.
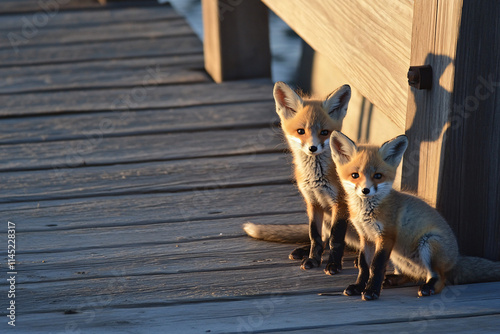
(453, 158)
(236, 39)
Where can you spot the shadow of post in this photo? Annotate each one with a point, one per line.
(427, 124)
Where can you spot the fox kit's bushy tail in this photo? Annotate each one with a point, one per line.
(278, 233)
(474, 270)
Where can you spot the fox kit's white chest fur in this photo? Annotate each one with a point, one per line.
(314, 181)
(363, 215)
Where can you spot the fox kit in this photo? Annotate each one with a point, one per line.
(307, 125)
(397, 225)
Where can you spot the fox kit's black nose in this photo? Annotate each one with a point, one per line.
(365, 191)
(313, 148)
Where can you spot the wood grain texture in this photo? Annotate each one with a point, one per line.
(154, 74)
(148, 289)
(208, 254)
(80, 68)
(102, 50)
(131, 99)
(111, 32)
(256, 115)
(99, 16)
(434, 43)
(144, 178)
(129, 210)
(451, 128)
(368, 40)
(21, 6)
(180, 234)
(97, 150)
(400, 308)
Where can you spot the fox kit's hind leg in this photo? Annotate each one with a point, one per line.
(430, 255)
(315, 213)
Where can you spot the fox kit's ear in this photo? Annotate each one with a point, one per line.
(343, 149)
(336, 103)
(287, 101)
(392, 151)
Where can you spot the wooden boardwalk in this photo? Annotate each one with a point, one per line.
(128, 174)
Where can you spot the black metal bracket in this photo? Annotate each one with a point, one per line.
(420, 77)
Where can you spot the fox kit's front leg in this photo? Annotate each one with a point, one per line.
(371, 276)
(340, 216)
(383, 249)
(364, 271)
(315, 213)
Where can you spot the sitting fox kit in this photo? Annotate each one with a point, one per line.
(307, 125)
(398, 226)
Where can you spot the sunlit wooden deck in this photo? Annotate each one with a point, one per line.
(128, 174)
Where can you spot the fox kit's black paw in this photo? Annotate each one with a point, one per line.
(332, 269)
(309, 263)
(354, 290)
(299, 253)
(426, 290)
(369, 294)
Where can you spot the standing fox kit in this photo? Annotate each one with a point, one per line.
(397, 225)
(307, 125)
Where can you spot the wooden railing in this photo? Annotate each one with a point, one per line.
(453, 160)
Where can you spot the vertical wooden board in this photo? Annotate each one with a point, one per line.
(435, 33)
(236, 39)
(452, 160)
(422, 44)
(469, 196)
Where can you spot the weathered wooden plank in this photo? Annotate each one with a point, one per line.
(464, 323)
(127, 99)
(104, 15)
(147, 289)
(94, 33)
(17, 6)
(143, 178)
(80, 68)
(191, 119)
(126, 210)
(150, 75)
(236, 40)
(435, 33)
(375, 55)
(180, 233)
(97, 150)
(271, 312)
(160, 258)
(102, 50)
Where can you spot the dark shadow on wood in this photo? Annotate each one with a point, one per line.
(468, 193)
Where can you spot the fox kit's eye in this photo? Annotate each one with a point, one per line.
(301, 131)
(377, 176)
(324, 132)
(354, 175)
